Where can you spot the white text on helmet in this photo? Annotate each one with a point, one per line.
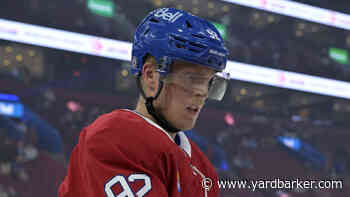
(215, 52)
(213, 34)
(168, 16)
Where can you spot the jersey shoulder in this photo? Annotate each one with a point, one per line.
(124, 126)
(128, 134)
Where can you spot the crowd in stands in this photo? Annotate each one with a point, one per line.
(25, 170)
(255, 152)
(291, 54)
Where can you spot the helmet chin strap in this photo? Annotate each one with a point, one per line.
(160, 119)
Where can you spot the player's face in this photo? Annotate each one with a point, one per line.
(184, 94)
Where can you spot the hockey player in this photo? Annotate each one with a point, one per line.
(178, 61)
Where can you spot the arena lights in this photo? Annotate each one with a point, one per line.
(10, 105)
(289, 80)
(64, 40)
(98, 46)
(102, 7)
(11, 109)
(299, 10)
(8, 97)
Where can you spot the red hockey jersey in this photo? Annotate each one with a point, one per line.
(124, 154)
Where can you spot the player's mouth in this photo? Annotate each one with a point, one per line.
(193, 110)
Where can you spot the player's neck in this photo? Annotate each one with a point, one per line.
(141, 109)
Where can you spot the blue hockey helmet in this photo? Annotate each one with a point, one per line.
(170, 34)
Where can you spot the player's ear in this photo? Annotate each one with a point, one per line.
(150, 77)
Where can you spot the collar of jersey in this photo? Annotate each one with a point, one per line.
(184, 142)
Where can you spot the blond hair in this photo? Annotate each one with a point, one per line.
(150, 59)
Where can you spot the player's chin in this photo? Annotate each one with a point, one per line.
(187, 124)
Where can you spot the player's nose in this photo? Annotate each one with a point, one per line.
(200, 96)
(200, 92)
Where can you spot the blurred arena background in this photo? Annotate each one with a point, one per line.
(286, 114)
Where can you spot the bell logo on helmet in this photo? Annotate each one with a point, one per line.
(166, 15)
(213, 34)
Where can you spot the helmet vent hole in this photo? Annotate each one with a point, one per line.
(180, 46)
(188, 24)
(179, 39)
(198, 36)
(146, 32)
(197, 45)
(194, 50)
(154, 20)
